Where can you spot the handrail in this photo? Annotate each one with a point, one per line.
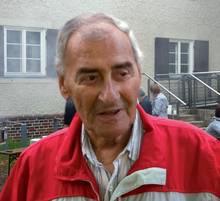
(164, 88)
(199, 80)
(208, 72)
(204, 84)
(195, 73)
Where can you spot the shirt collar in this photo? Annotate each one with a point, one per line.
(133, 146)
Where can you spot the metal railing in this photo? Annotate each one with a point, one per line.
(178, 100)
(200, 89)
(205, 84)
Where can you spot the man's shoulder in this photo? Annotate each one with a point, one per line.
(177, 128)
(179, 135)
(47, 145)
(172, 123)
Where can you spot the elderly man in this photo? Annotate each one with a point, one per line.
(112, 150)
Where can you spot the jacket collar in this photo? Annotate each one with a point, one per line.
(71, 165)
(152, 148)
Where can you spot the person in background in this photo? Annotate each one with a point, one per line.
(145, 102)
(69, 112)
(112, 150)
(214, 127)
(159, 102)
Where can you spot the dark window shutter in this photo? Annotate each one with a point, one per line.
(201, 56)
(51, 52)
(1, 51)
(161, 56)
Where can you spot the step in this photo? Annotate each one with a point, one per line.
(187, 117)
(197, 123)
(184, 111)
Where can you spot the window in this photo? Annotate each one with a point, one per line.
(24, 51)
(180, 56)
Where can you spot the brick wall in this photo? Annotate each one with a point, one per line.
(37, 126)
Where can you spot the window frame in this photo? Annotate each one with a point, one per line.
(23, 72)
(191, 55)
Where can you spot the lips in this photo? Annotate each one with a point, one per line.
(110, 112)
(109, 116)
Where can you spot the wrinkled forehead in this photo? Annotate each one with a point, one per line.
(97, 31)
(99, 39)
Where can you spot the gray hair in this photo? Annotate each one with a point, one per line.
(76, 23)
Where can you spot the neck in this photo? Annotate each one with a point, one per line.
(108, 148)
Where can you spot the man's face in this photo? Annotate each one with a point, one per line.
(102, 77)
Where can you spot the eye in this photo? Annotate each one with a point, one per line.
(122, 74)
(88, 79)
(91, 77)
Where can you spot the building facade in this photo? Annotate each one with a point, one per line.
(176, 36)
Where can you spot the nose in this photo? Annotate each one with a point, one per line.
(109, 92)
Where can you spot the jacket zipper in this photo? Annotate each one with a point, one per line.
(97, 195)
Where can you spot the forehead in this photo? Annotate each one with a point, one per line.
(99, 39)
(97, 31)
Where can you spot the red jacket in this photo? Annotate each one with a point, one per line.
(177, 161)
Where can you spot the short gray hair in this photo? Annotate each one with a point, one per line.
(76, 23)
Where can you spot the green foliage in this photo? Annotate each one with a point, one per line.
(14, 143)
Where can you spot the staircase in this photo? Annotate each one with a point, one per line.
(191, 117)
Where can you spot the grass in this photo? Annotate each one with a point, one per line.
(14, 143)
(9, 144)
(3, 170)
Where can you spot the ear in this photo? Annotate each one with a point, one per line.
(63, 89)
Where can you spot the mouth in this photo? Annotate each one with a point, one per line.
(110, 112)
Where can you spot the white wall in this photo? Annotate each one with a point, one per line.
(30, 97)
(183, 19)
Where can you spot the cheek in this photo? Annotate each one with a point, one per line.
(129, 97)
(131, 91)
(84, 100)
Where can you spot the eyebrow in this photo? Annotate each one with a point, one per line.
(86, 70)
(126, 64)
